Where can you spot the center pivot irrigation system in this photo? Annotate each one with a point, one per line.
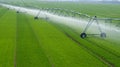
(65, 12)
(71, 13)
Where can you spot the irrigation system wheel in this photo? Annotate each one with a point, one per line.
(83, 35)
(103, 35)
(17, 12)
(35, 17)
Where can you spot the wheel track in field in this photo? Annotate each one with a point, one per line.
(30, 26)
(15, 50)
(117, 53)
(109, 54)
(103, 47)
(90, 51)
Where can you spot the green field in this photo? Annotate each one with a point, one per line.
(25, 42)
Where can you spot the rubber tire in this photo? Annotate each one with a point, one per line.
(103, 35)
(17, 12)
(35, 17)
(83, 35)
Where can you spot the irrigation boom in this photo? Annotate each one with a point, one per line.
(73, 14)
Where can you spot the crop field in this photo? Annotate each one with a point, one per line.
(29, 42)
